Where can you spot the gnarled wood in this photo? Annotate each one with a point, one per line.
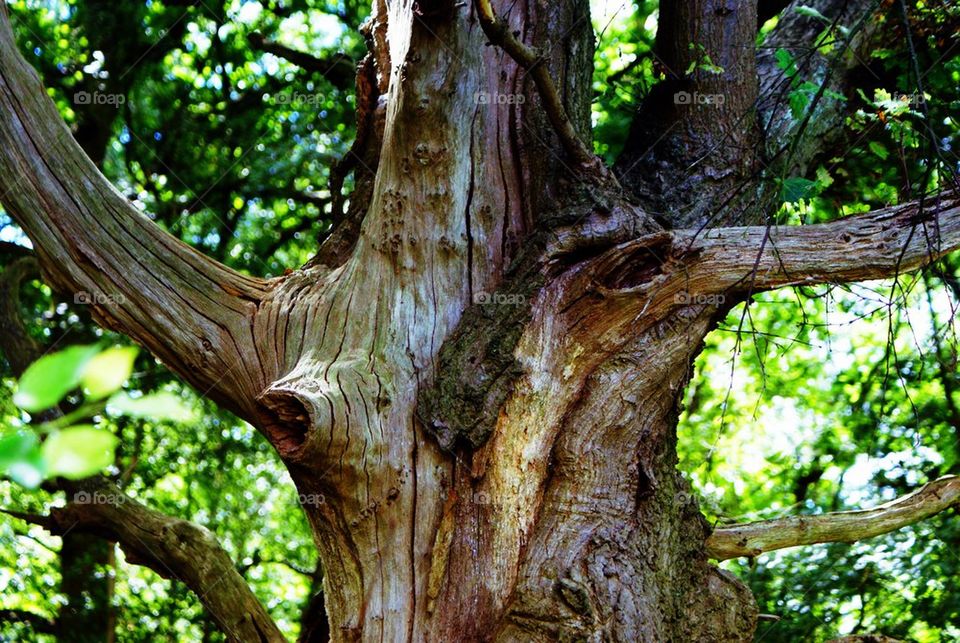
(93, 244)
(552, 509)
(174, 548)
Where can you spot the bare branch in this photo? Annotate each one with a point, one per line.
(174, 548)
(191, 311)
(753, 539)
(339, 68)
(530, 59)
(875, 245)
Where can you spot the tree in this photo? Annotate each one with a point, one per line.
(481, 370)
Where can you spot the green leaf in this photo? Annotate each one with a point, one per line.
(156, 406)
(30, 470)
(800, 98)
(785, 60)
(824, 180)
(106, 373)
(79, 451)
(51, 377)
(810, 12)
(796, 188)
(879, 150)
(15, 447)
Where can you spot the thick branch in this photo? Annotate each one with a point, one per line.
(875, 245)
(189, 310)
(174, 548)
(171, 547)
(756, 538)
(339, 68)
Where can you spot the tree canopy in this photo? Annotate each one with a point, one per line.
(234, 125)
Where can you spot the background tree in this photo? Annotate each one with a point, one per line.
(482, 368)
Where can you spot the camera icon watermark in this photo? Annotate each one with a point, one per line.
(685, 298)
(499, 299)
(696, 98)
(84, 298)
(481, 498)
(98, 98)
(496, 98)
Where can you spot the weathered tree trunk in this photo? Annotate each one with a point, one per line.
(565, 522)
(476, 383)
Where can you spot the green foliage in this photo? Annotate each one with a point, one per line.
(50, 378)
(72, 450)
(78, 451)
(804, 401)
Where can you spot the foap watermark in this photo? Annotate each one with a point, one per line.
(685, 298)
(696, 98)
(311, 499)
(98, 498)
(499, 299)
(298, 98)
(496, 98)
(84, 298)
(99, 98)
(913, 100)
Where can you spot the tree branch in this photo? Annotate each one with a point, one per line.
(190, 311)
(39, 623)
(875, 245)
(531, 60)
(753, 539)
(339, 68)
(175, 549)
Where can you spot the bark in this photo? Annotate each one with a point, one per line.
(481, 373)
(757, 538)
(98, 514)
(175, 549)
(695, 141)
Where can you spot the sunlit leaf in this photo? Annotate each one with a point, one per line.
(78, 451)
(30, 470)
(156, 406)
(106, 373)
(810, 12)
(15, 446)
(51, 377)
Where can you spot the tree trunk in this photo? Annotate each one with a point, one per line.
(476, 383)
(565, 522)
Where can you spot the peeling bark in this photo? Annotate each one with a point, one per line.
(482, 370)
